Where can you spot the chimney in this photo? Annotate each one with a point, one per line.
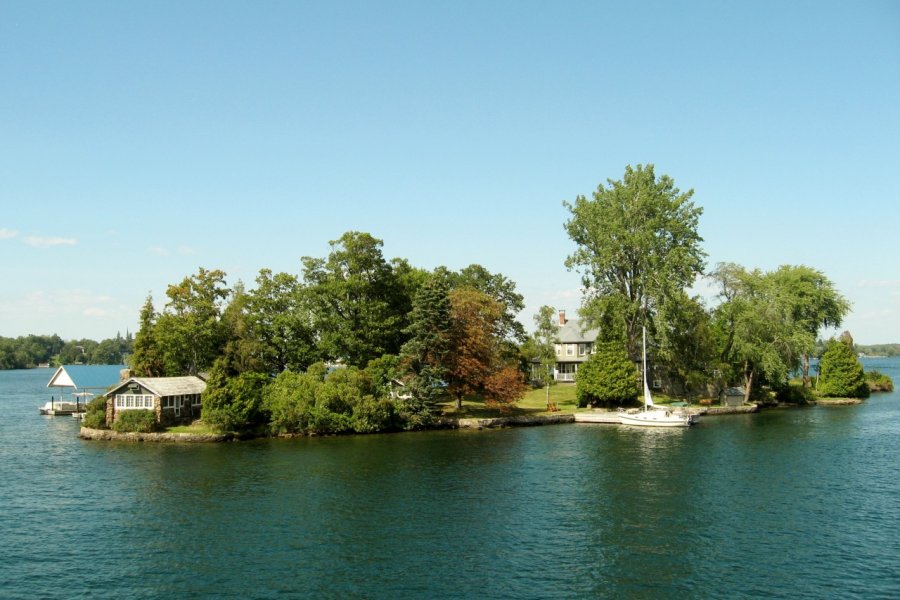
(562, 318)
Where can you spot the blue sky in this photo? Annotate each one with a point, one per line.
(141, 141)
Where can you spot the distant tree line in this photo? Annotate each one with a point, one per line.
(326, 351)
(26, 352)
(879, 349)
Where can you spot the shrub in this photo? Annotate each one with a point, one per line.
(137, 421)
(608, 377)
(95, 415)
(840, 373)
(879, 382)
(795, 393)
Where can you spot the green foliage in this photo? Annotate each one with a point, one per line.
(795, 393)
(136, 421)
(359, 303)
(840, 373)
(637, 245)
(608, 377)
(234, 403)
(28, 351)
(879, 382)
(346, 400)
(425, 352)
(543, 343)
(879, 349)
(95, 415)
(278, 318)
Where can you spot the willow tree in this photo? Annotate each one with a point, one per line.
(638, 248)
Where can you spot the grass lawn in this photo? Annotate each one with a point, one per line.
(533, 403)
(197, 427)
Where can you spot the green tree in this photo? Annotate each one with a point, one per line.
(638, 247)
(280, 317)
(608, 377)
(234, 402)
(545, 336)
(359, 304)
(425, 352)
(686, 342)
(812, 302)
(190, 332)
(840, 373)
(759, 338)
(148, 358)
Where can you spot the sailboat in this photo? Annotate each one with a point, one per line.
(652, 415)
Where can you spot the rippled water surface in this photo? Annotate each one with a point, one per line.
(801, 503)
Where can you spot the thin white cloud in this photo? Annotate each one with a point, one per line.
(46, 242)
(6, 234)
(94, 311)
(159, 251)
(186, 251)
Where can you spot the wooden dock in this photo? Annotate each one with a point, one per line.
(598, 416)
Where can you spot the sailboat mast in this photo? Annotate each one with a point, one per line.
(644, 371)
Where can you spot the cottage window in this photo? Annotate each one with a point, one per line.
(570, 349)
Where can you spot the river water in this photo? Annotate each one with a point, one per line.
(795, 503)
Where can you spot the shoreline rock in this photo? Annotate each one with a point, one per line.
(86, 433)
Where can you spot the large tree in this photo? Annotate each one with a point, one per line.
(501, 289)
(280, 318)
(638, 248)
(425, 352)
(147, 360)
(476, 362)
(758, 335)
(359, 302)
(190, 331)
(546, 335)
(812, 301)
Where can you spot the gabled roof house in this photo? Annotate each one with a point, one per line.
(173, 399)
(574, 346)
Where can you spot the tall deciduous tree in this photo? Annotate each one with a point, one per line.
(546, 334)
(475, 362)
(812, 301)
(359, 303)
(190, 332)
(638, 247)
(501, 289)
(758, 334)
(279, 317)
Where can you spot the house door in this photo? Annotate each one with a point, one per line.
(177, 407)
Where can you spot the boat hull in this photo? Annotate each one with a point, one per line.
(657, 418)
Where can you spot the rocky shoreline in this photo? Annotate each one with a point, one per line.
(442, 423)
(86, 433)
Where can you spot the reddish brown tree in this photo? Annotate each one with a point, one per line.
(475, 362)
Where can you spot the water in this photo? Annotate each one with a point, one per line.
(798, 503)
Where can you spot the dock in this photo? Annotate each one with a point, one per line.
(598, 416)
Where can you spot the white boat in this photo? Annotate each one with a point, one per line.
(652, 415)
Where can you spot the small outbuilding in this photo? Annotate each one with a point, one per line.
(172, 399)
(733, 396)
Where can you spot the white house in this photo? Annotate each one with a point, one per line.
(574, 346)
